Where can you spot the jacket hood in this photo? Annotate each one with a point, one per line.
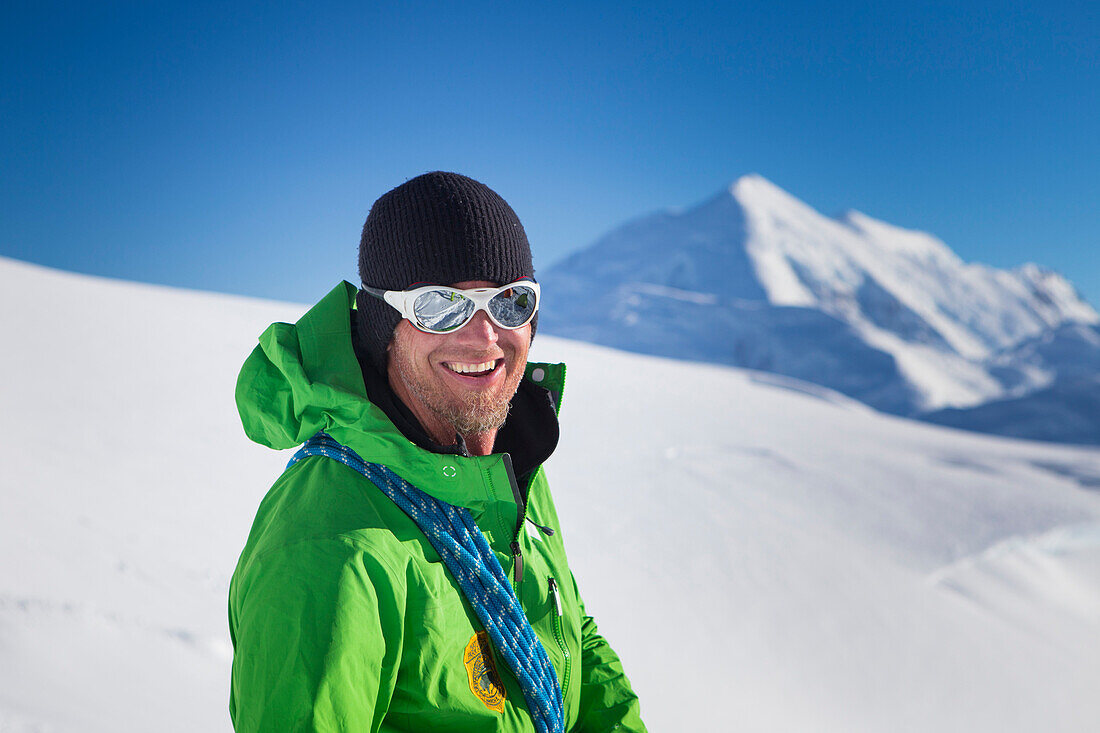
(305, 377)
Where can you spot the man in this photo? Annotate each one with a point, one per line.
(361, 601)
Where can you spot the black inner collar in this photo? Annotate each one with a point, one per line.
(530, 434)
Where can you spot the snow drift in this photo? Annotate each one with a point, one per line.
(764, 553)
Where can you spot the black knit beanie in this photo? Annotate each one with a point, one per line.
(438, 228)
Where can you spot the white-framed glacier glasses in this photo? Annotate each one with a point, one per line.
(442, 309)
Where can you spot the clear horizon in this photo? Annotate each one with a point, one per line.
(239, 150)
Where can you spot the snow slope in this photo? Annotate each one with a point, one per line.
(753, 277)
(765, 554)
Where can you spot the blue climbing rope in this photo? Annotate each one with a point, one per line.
(467, 554)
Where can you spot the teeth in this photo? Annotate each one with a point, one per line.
(470, 368)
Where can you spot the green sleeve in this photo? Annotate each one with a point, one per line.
(607, 701)
(317, 636)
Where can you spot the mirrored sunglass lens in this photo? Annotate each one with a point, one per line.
(442, 310)
(514, 307)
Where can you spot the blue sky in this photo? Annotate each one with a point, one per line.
(238, 147)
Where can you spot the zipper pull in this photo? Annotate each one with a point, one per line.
(555, 595)
(517, 556)
(545, 530)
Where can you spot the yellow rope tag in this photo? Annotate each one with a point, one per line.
(482, 671)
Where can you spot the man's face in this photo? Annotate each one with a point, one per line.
(461, 381)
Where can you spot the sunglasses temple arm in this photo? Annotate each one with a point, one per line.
(395, 298)
(376, 292)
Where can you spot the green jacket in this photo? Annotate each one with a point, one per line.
(342, 615)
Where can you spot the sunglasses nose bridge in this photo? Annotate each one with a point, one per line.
(480, 328)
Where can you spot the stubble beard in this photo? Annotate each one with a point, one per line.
(473, 413)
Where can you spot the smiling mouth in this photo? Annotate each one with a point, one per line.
(473, 370)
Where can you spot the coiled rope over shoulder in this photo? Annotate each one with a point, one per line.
(467, 554)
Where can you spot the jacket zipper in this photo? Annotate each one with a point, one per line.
(517, 558)
(556, 596)
(521, 506)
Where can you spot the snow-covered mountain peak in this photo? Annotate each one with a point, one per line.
(766, 202)
(756, 186)
(882, 294)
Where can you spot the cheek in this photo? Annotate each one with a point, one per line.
(417, 346)
(517, 356)
(408, 355)
(520, 342)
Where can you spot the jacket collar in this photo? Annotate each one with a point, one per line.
(305, 377)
